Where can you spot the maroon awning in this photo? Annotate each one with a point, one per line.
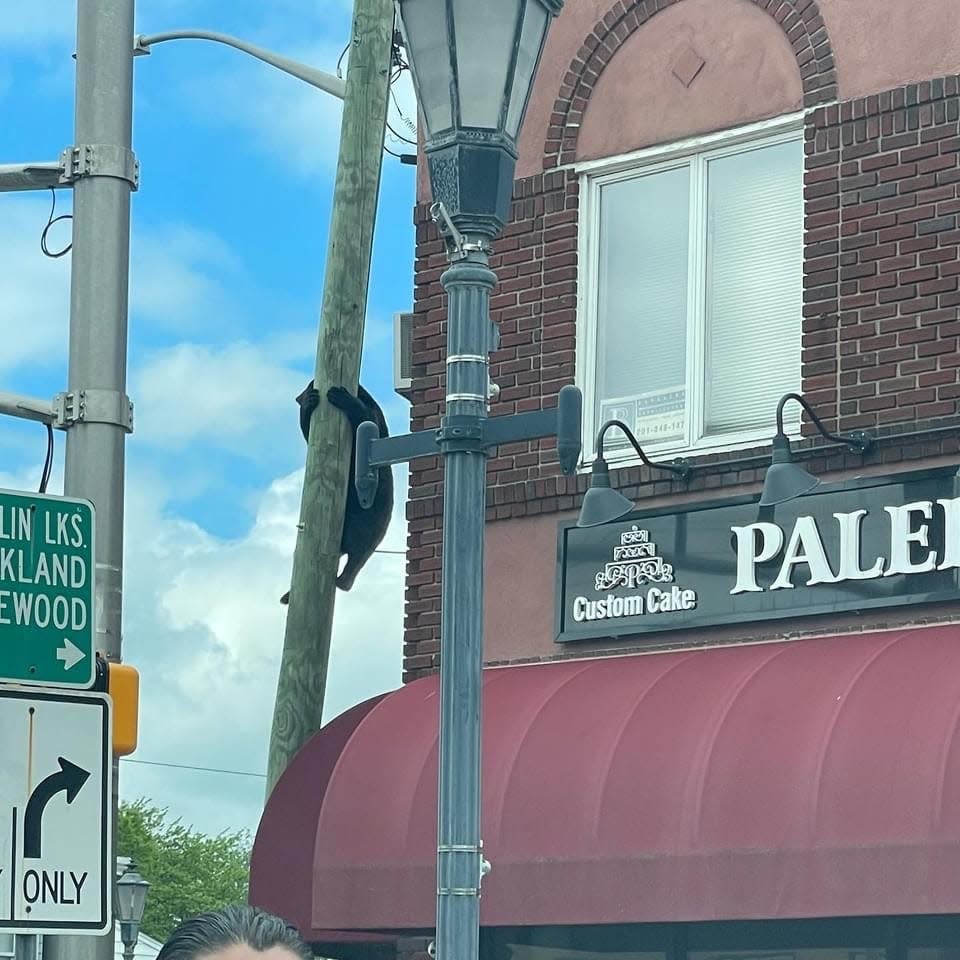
(803, 779)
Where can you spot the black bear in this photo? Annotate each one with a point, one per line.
(362, 529)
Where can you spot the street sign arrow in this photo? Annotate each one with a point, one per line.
(69, 779)
(70, 654)
(47, 590)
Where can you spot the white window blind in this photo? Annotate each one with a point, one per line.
(753, 289)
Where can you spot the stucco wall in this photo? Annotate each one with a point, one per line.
(878, 45)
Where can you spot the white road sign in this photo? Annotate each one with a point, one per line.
(55, 790)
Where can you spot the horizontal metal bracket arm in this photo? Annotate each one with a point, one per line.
(93, 406)
(99, 160)
(27, 408)
(495, 431)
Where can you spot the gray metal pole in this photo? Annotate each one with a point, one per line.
(25, 946)
(98, 323)
(459, 854)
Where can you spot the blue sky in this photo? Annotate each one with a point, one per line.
(229, 237)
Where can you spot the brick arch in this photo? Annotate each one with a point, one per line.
(800, 20)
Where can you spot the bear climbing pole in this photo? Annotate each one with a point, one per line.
(306, 643)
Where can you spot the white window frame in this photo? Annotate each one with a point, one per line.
(696, 153)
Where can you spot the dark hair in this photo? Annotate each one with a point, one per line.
(208, 932)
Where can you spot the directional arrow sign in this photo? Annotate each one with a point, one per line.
(46, 590)
(55, 790)
(68, 780)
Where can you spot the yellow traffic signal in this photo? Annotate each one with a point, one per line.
(122, 683)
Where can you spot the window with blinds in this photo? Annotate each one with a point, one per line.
(693, 311)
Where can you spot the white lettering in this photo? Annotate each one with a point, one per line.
(16, 524)
(951, 533)
(664, 601)
(78, 611)
(78, 572)
(902, 535)
(750, 552)
(22, 604)
(850, 548)
(41, 619)
(41, 573)
(806, 547)
(77, 539)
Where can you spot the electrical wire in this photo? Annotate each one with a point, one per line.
(400, 136)
(48, 462)
(51, 220)
(189, 766)
(343, 53)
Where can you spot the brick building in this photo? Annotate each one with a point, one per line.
(718, 202)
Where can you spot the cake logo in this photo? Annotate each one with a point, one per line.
(635, 562)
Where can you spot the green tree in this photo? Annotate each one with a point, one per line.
(188, 871)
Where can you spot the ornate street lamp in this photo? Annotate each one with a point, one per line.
(473, 64)
(130, 902)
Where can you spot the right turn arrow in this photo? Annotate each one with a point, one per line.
(69, 779)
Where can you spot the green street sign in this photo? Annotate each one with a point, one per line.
(46, 590)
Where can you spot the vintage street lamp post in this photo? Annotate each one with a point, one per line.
(130, 901)
(473, 66)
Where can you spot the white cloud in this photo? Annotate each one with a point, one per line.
(215, 394)
(287, 120)
(175, 276)
(35, 304)
(204, 626)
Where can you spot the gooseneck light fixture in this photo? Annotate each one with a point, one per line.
(785, 479)
(603, 504)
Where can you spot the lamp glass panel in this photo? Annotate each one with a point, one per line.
(426, 38)
(531, 43)
(131, 897)
(486, 32)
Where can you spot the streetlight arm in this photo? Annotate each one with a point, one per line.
(316, 78)
(30, 176)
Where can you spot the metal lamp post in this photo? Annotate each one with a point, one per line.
(473, 65)
(130, 902)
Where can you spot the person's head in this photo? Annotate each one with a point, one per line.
(235, 933)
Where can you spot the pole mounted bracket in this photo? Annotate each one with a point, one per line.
(99, 160)
(93, 406)
(458, 245)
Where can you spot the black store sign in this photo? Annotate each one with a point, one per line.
(873, 542)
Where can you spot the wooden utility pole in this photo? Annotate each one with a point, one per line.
(306, 643)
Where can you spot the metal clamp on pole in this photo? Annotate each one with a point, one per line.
(99, 160)
(463, 433)
(93, 406)
(458, 245)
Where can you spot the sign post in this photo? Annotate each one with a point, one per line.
(55, 819)
(46, 590)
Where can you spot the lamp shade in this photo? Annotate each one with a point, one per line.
(473, 64)
(601, 503)
(131, 897)
(784, 480)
